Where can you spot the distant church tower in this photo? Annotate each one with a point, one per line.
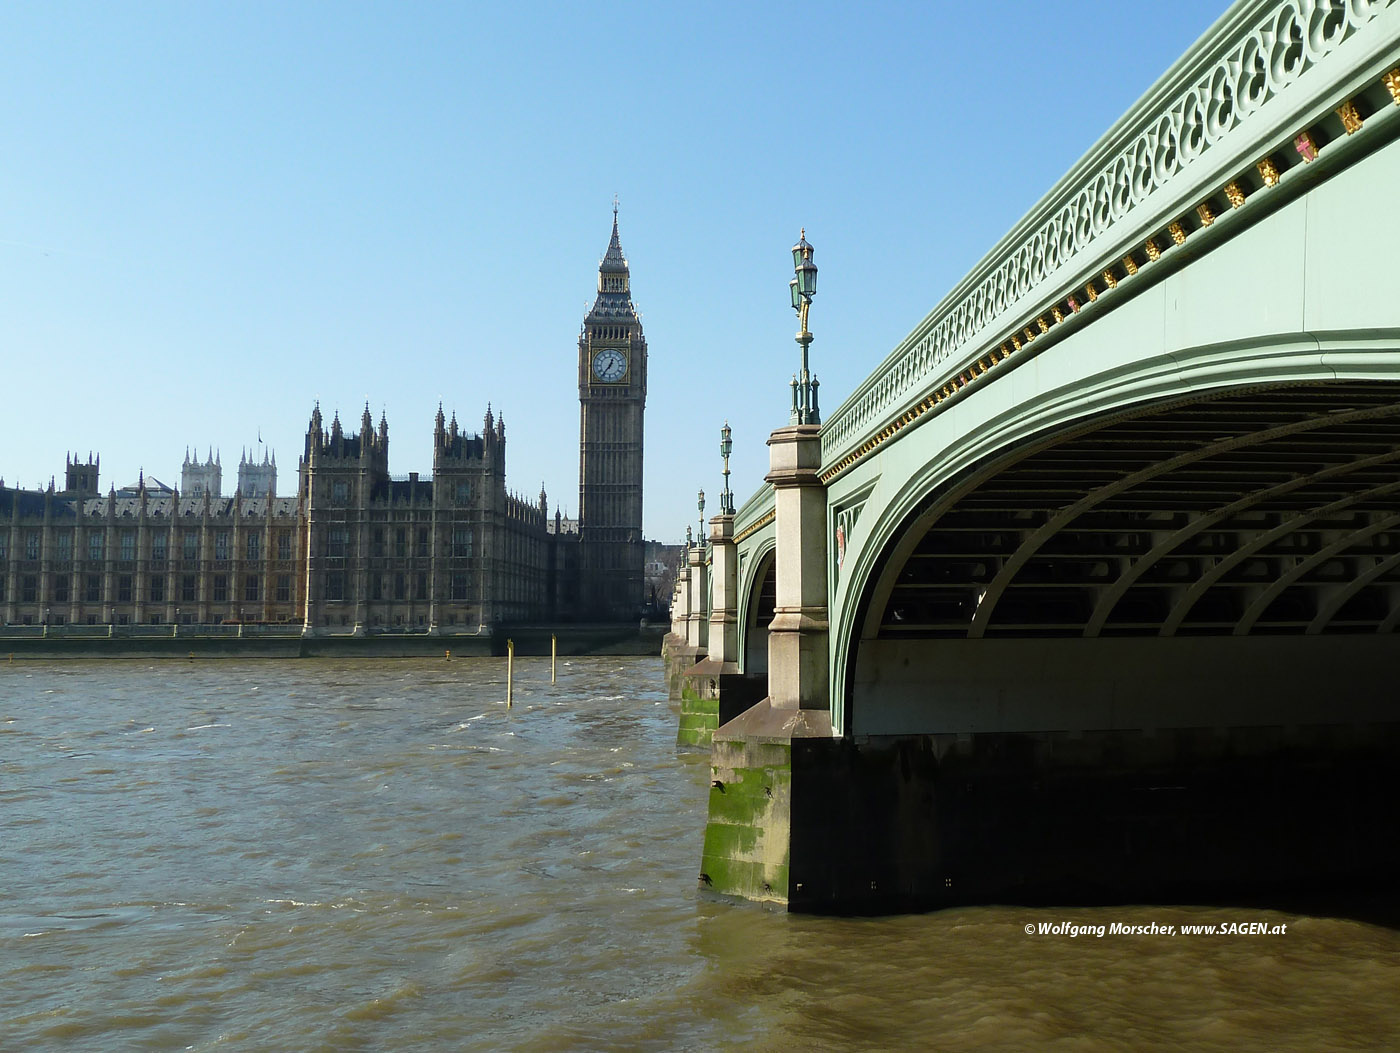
(201, 478)
(612, 393)
(80, 477)
(257, 480)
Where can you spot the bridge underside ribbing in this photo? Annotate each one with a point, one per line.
(1256, 512)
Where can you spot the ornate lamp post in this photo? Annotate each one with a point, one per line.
(726, 444)
(803, 287)
(701, 505)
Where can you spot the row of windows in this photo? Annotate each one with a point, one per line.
(383, 586)
(340, 492)
(337, 542)
(155, 593)
(379, 586)
(126, 544)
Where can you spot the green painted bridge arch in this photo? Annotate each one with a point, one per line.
(1254, 391)
(1122, 512)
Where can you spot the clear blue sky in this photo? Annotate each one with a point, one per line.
(216, 214)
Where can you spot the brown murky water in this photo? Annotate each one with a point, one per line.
(378, 856)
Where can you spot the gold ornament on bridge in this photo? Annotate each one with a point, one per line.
(1178, 233)
(1351, 120)
(1110, 281)
(1092, 292)
(1153, 252)
(1057, 314)
(1044, 326)
(1268, 172)
(1129, 264)
(1234, 193)
(1029, 335)
(1016, 343)
(1392, 84)
(1207, 216)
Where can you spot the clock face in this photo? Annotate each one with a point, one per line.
(609, 365)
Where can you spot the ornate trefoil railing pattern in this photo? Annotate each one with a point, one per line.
(1213, 105)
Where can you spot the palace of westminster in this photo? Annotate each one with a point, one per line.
(356, 549)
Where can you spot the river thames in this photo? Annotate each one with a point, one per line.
(377, 855)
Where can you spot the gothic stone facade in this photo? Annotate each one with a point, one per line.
(355, 549)
(612, 391)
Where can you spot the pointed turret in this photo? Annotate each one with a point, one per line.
(613, 276)
(614, 259)
(315, 437)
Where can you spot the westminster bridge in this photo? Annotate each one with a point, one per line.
(1091, 589)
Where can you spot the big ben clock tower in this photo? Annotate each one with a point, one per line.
(612, 393)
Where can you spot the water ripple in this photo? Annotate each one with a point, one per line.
(378, 855)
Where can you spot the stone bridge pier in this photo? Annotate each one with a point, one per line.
(707, 682)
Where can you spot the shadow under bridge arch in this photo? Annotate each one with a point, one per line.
(1228, 560)
(759, 594)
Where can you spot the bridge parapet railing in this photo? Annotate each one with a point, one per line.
(1196, 144)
